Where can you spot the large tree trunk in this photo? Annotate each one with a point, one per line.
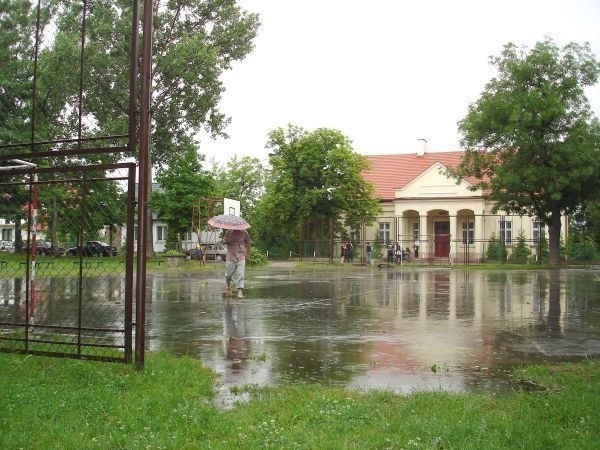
(18, 235)
(554, 237)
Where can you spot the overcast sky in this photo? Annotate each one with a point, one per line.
(386, 73)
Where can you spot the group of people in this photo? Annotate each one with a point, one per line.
(347, 252)
(396, 254)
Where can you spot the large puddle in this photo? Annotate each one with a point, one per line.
(365, 328)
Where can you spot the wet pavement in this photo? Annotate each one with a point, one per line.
(375, 328)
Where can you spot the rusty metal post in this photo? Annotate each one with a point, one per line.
(129, 264)
(131, 146)
(143, 175)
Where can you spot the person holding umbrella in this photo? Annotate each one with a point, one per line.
(238, 244)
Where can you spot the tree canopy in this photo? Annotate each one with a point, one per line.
(315, 175)
(194, 43)
(183, 184)
(531, 139)
(242, 179)
(17, 48)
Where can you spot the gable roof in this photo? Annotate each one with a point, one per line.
(390, 172)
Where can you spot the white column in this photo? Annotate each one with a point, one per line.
(479, 235)
(453, 235)
(423, 238)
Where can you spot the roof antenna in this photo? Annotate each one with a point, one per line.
(421, 151)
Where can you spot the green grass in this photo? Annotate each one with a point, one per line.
(51, 403)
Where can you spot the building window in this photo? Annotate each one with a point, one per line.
(468, 232)
(538, 231)
(135, 233)
(384, 232)
(416, 232)
(355, 236)
(161, 233)
(7, 235)
(506, 231)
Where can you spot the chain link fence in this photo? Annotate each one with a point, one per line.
(66, 265)
(443, 239)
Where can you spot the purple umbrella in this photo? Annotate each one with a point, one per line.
(228, 222)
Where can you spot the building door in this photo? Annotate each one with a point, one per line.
(441, 238)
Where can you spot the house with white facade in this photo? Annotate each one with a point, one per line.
(189, 240)
(427, 211)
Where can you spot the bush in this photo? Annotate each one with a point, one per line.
(496, 250)
(542, 249)
(257, 258)
(521, 252)
(377, 246)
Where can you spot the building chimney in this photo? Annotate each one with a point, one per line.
(421, 150)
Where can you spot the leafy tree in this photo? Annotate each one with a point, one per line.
(521, 252)
(183, 183)
(17, 49)
(194, 43)
(314, 176)
(541, 144)
(586, 220)
(582, 247)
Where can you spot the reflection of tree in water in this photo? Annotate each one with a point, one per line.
(554, 327)
(548, 286)
(237, 347)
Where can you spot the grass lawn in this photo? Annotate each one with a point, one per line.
(50, 403)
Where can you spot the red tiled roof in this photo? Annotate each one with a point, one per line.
(390, 172)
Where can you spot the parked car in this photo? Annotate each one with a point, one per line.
(41, 248)
(7, 246)
(93, 249)
(211, 251)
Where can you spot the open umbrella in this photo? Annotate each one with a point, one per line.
(228, 222)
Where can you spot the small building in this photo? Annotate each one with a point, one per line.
(427, 211)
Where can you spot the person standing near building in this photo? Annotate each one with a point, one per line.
(369, 251)
(200, 254)
(238, 247)
(350, 251)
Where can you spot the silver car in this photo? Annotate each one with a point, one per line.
(211, 251)
(7, 246)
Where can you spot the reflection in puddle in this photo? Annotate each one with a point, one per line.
(356, 327)
(378, 328)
